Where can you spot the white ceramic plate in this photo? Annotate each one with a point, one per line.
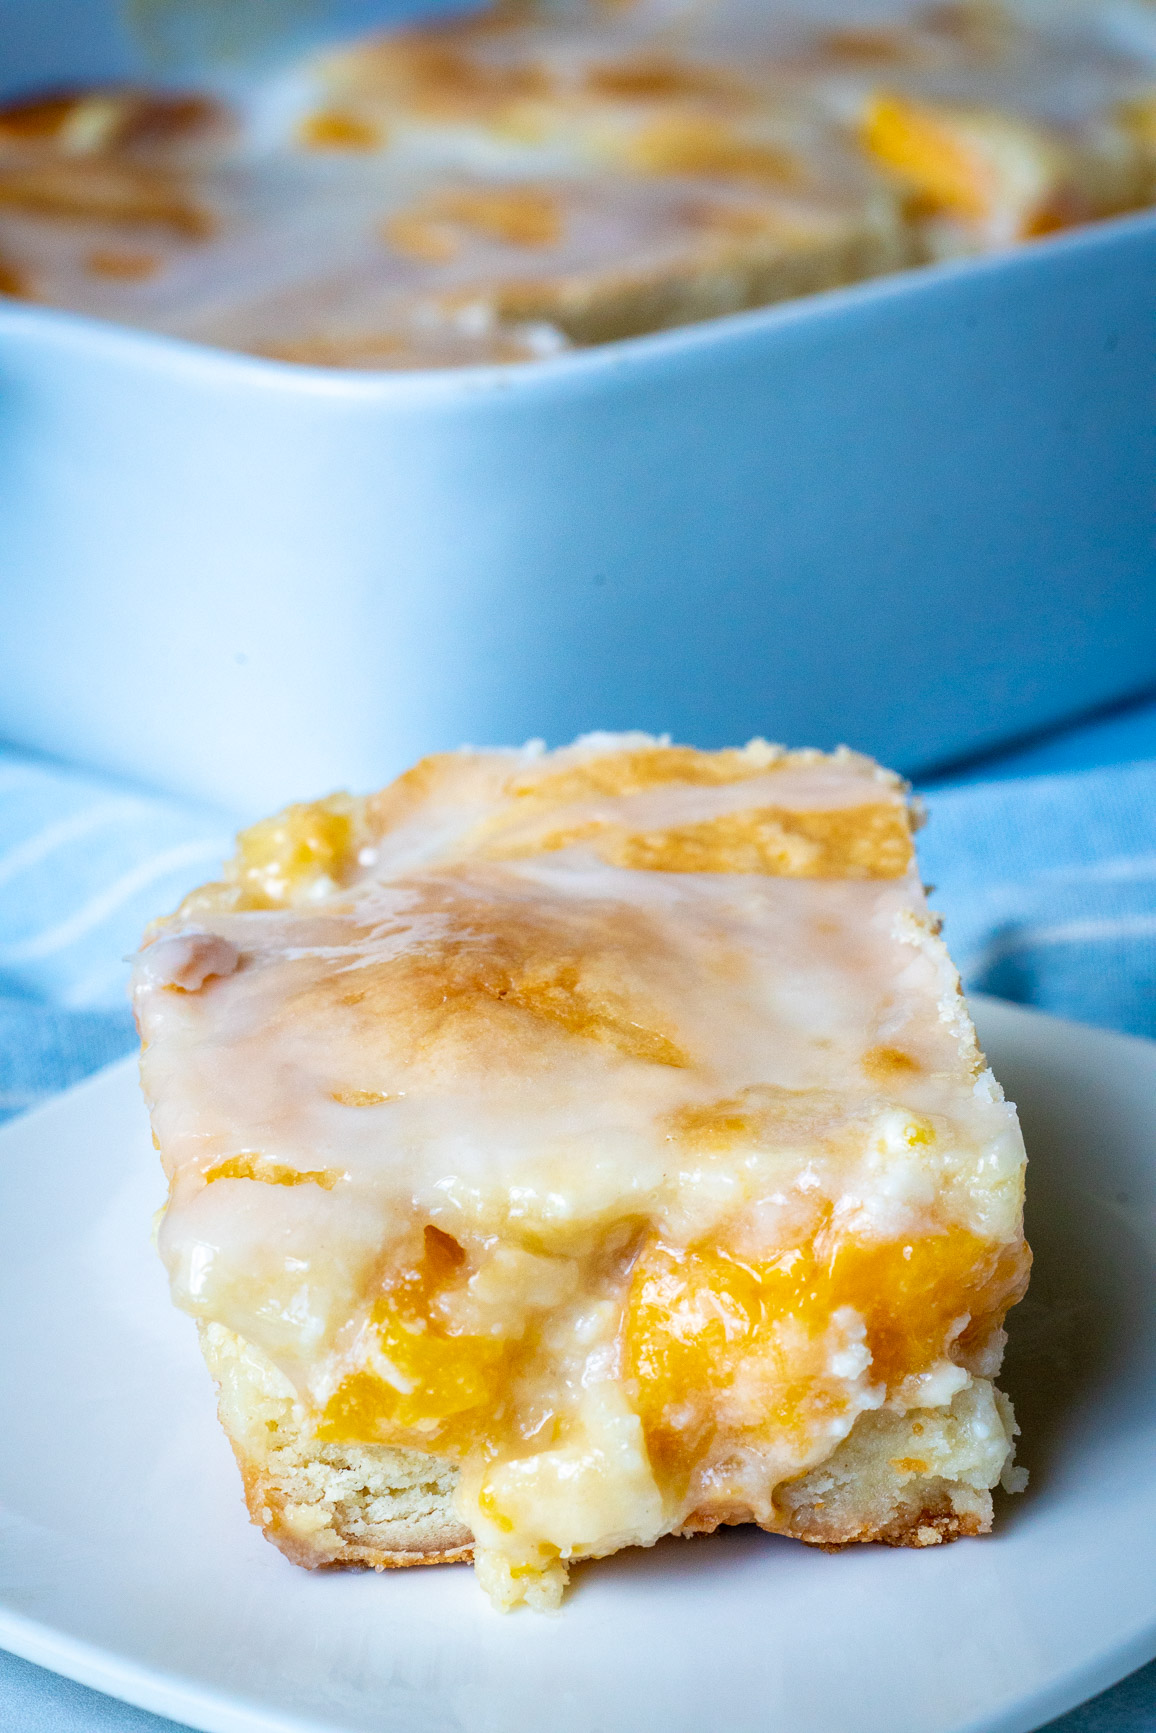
(126, 1560)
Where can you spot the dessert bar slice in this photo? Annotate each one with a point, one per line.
(570, 1149)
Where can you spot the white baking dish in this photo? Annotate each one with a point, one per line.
(916, 515)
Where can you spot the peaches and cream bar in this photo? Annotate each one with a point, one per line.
(570, 1149)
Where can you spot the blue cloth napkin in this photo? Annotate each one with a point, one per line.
(1048, 891)
(84, 865)
(1047, 884)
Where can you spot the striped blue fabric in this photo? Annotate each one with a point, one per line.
(84, 864)
(1048, 889)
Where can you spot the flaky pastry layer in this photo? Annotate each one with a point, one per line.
(914, 1480)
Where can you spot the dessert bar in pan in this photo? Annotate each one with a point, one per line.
(507, 185)
(570, 1149)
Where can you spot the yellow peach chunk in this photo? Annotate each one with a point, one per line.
(924, 148)
(419, 1378)
(697, 1317)
(338, 129)
(300, 852)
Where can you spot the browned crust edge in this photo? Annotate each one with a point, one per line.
(927, 1524)
(932, 1523)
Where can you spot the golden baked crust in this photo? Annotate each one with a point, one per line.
(326, 1505)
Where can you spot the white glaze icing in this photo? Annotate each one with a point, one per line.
(185, 961)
